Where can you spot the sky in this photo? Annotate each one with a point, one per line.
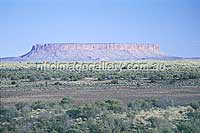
(173, 24)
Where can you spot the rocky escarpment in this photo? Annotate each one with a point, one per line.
(91, 52)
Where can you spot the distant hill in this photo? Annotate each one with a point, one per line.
(92, 52)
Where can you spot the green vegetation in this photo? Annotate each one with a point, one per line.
(82, 101)
(173, 73)
(152, 70)
(103, 117)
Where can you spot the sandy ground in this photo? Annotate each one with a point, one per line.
(179, 95)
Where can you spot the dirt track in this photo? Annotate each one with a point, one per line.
(125, 95)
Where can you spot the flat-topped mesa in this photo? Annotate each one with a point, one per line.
(96, 46)
(67, 52)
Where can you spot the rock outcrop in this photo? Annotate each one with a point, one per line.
(91, 52)
(96, 46)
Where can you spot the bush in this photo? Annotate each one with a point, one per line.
(32, 79)
(7, 113)
(101, 77)
(64, 79)
(141, 104)
(160, 125)
(74, 77)
(195, 105)
(65, 100)
(13, 83)
(47, 77)
(14, 78)
(88, 111)
(39, 105)
(74, 113)
(164, 102)
(113, 105)
(114, 81)
(138, 85)
(191, 126)
(21, 105)
(185, 127)
(57, 83)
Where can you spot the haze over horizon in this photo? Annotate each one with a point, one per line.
(174, 25)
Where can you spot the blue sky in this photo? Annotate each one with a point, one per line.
(173, 24)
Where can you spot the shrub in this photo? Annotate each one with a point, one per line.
(74, 77)
(101, 77)
(74, 113)
(14, 78)
(46, 83)
(114, 81)
(113, 105)
(164, 102)
(185, 127)
(191, 126)
(32, 79)
(47, 77)
(160, 125)
(21, 105)
(64, 79)
(88, 111)
(66, 100)
(141, 104)
(195, 105)
(57, 83)
(7, 113)
(13, 83)
(138, 84)
(39, 105)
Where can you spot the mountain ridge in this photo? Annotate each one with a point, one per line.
(91, 52)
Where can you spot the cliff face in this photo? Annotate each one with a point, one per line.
(92, 52)
(96, 46)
